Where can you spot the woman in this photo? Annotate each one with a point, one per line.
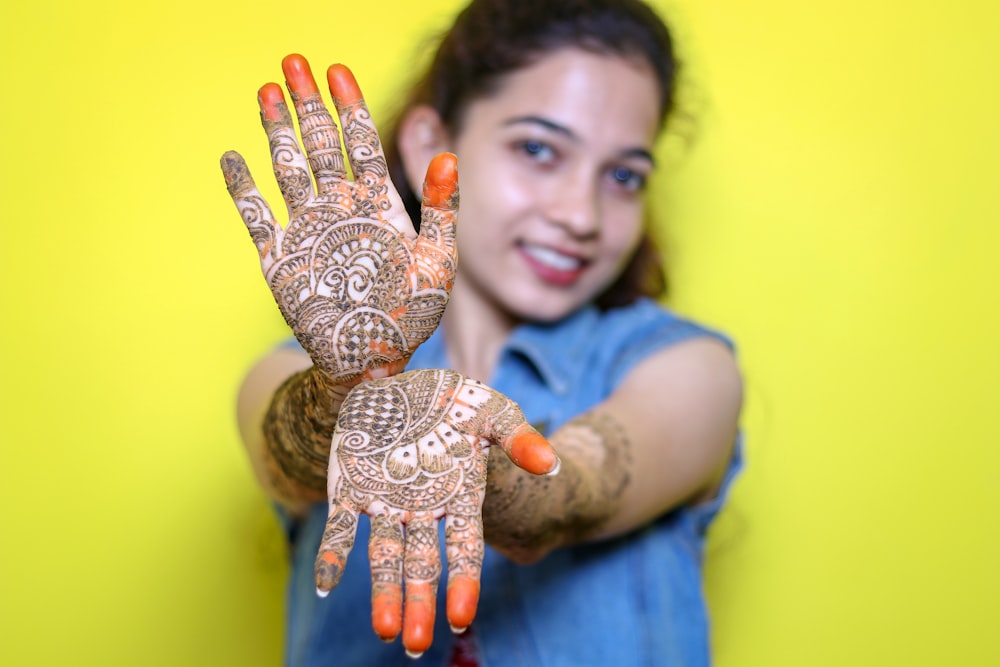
(552, 109)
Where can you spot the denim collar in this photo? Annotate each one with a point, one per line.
(554, 349)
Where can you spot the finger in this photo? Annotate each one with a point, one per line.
(436, 252)
(465, 547)
(338, 538)
(422, 571)
(500, 420)
(385, 553)
(319, 132)
(290, 167)
(256, 214)
(525, 446)
(529, 450)
(364, 150)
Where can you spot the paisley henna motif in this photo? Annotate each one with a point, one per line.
(359, 289)
(408, 450)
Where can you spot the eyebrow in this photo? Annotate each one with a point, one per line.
(553, 126)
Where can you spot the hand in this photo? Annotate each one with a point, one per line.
(358, 287)
(409, 450)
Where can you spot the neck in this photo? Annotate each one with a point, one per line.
(475, 332)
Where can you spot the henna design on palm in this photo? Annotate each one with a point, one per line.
(409, 450)
(359, 288)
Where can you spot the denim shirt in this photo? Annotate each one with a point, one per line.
(633, 600)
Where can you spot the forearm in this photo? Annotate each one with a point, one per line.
(526, 516)
(286, 413)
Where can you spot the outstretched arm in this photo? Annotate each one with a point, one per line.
(358, 287)
(661, 440)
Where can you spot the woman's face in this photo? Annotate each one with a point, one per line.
(552, 171)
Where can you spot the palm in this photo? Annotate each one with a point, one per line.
(357, 286)
(409, 450)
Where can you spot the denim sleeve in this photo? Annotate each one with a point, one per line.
(703, 513)
(290, 343)
(655, 330)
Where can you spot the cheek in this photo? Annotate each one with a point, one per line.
(492, 204)
(623, 235)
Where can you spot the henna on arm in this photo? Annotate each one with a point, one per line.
(663, 439)
(298, 428)
(526, 516)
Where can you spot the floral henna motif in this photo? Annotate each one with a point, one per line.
(358, 287)
(409, 450)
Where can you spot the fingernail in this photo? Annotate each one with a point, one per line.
(321, 593)
(555, 471)
(457, 631)
(414, 654)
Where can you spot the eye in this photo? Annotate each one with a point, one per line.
(628, 179)
(537, 151)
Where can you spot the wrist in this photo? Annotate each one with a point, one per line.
(298, 430)
(339, 385)
(323, 394)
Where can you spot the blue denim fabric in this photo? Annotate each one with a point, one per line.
(636, 600)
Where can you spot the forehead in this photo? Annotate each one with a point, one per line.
(593, 94)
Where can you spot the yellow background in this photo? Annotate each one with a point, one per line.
(837, 213)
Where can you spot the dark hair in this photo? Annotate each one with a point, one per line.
(492, 38)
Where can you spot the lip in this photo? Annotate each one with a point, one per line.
(550, 274)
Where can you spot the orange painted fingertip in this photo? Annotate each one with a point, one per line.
(533, 452)
(387, 618)
(441, 182)
(463, 599)
(298, 75)
(269, 97)
(343, 86)
(418, 618)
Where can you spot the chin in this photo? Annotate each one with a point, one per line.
(546, 307)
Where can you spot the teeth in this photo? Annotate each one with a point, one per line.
(552, 258)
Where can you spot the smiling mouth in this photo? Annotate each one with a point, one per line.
(551, 266)
(552, 259)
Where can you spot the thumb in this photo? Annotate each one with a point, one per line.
(439, 205)
(525, 446)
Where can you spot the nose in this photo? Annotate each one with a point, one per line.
(573, 204)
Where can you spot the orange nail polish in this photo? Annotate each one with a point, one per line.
(299, 76)
(269, 97)
(343, 86)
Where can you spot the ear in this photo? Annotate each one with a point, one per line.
(421, 136)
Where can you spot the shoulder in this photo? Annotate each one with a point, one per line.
(677, 393)
(686, 361)
(595, 350)
(647, 330)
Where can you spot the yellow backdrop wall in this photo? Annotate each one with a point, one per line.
(836, 213)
